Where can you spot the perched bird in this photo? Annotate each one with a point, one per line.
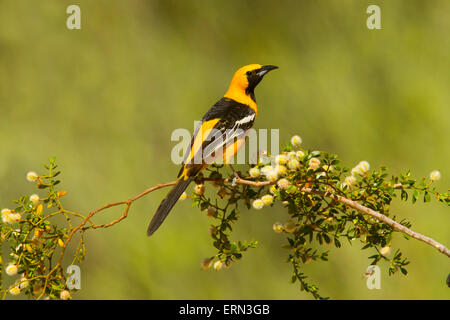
(221, 132)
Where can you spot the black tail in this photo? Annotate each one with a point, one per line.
(167, 204)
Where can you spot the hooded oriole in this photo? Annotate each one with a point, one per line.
(230, 118)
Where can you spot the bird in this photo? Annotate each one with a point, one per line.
(220, 133)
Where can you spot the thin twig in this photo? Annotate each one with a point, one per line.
(345, 201)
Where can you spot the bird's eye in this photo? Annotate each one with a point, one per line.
(248, 73)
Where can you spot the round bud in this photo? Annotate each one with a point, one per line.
(277, 227)
(199, 189)
(296, 141)
(435, 175)
(267, 199)
(32, 176)
(11, 270)
(283, 184)
(258, 204)
(293, 164)
(314, 163)
(65, 295)
(218, 265)
(254, 172)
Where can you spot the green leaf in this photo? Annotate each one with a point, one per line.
(337, 243)
(204, 206)
(415, 196)
(404, 195)
(426, 197)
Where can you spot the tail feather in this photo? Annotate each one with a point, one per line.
(167, 204)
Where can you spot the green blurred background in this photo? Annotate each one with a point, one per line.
(105, 99)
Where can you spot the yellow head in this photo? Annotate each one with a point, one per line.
(245, 80)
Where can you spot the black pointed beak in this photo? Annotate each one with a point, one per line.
(265, 69)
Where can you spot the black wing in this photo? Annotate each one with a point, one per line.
(234, 119)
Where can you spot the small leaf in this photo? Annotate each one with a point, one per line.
(404, 195)
(337, 243)
(426, 197)
(415, 196)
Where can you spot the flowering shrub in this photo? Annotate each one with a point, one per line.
(35, 239)
(326, 203)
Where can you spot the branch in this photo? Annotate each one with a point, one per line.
(353, 204)
(87, 219)
(350, 203)
(87, 223)
(383, 218)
